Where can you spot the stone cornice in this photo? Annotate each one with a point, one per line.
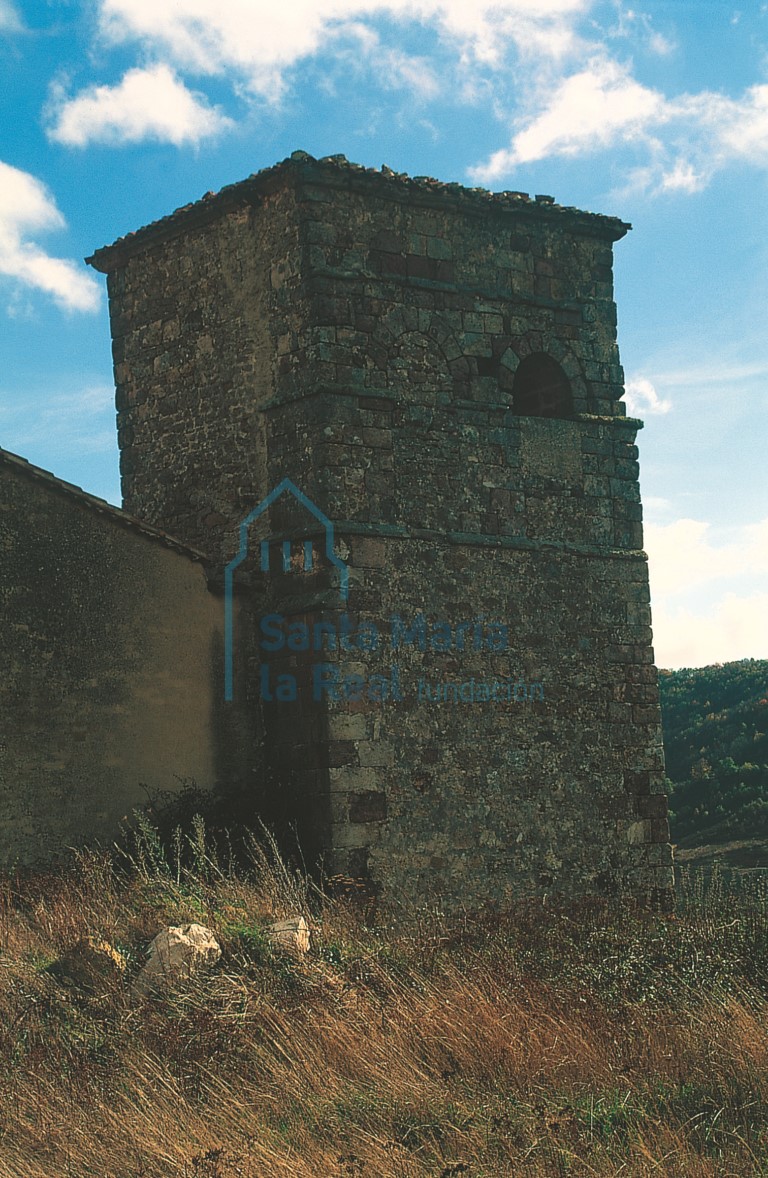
(301, 169)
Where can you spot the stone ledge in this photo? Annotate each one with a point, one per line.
(397, 399)
(469, 539)
(515, 298)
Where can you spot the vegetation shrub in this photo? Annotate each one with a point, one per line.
(587, 1039)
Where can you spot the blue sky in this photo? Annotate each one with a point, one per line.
(115, 112)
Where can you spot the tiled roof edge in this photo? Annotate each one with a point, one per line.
(15, 462)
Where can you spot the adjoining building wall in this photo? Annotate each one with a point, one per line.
(111, 649)
(437, 370)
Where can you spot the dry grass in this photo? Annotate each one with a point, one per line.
(586, 1042)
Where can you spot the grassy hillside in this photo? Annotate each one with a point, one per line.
(552, 1040)
(590, 1040)
(716, 745)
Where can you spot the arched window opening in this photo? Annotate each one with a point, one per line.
(541, 388)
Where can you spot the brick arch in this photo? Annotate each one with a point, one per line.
(508, 365)
(430, 323)
(574, 370)
(419, 337)
(570, 364)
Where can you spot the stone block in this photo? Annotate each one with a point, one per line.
(175, 954)
(290, 935)
(369, 806)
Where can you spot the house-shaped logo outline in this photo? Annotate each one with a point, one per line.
(229, 570)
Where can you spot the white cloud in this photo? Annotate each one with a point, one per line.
(361, 52)
(79, 422)
(715, 370)
(660, 45)
(683, 177)
(735, 628)
(538, 30)
(656, 503)
(686, 139)
(684, 557)
(739, 127)
(10, 21)
(707, 133)
(147, 104)
(588, 110)
(258, 41)
(641, 398)
(28, 208)
(411, 73)
(730, 617)
(547, 63)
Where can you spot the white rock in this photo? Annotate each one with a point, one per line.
(291, 934)
(176, 953)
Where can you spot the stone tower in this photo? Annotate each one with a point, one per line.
(434, 369)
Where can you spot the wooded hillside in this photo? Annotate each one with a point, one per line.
(716, 745)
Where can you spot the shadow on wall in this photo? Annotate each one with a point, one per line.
(541, 388)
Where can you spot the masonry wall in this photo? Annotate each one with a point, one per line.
(111, 650)
(195, 349)
(395, 316)
(487, 774)
(457, 508)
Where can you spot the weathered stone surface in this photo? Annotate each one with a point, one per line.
(291, 934)
(176, 953)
